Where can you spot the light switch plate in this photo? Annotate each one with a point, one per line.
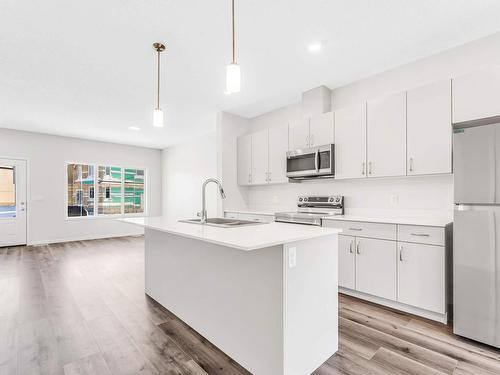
(292, 257)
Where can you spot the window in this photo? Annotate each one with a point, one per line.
(114, 191)
(7, 192)
(80, 182)
(134, 191)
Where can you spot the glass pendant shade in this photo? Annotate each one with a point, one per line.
(158, 118)
(233, 78)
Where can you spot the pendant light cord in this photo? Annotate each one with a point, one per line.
(234, 39)
(158, 82)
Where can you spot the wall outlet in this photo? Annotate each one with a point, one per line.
(394, 200)
(292, 257)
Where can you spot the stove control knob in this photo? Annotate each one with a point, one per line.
(305, 199)
(300, 199)
(337, 199)
(331, 199)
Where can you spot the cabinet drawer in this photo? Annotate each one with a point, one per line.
(421, 234)
(230, 215)
(255, 217)
(363, 229)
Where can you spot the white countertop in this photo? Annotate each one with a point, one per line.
(243, 238)
(435, 221)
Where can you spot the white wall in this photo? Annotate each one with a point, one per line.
(185, 166)
(402, 196)
(47, 157)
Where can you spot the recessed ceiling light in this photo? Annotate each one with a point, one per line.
(314, 47)
(136, 128)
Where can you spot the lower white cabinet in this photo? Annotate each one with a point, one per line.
(421, 278)
(347, 262)
(376, 267)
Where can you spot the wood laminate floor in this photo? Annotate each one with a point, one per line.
(79, 309)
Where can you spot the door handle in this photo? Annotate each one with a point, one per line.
(311, 140)
(356, 229)
(411, 165)
(400, 253)
(316, 161)
(370, 167)
(357, 248)
(363, 167)
(350, 248)
(420, 234)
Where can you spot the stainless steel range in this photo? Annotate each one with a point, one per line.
(311, 209)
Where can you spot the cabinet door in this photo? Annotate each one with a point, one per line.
(386, 136)
(421, 277)
(347, 262)
(350, 142)
(244, 159)
(429, 129)
(475, 95)
(299, 135)
(278, 146)
(260, 157)
(376, 267)
(321, 131)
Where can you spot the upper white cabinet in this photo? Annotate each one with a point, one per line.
(244, 152)
(386, 136)
(429, 129)
(350, 142)
(278, 146)
(475, 95)
(315, 131)
(299, 134)
(260, 157)
(321, 130)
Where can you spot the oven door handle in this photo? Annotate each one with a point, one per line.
(316, 160)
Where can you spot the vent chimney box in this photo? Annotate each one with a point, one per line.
(316, 101)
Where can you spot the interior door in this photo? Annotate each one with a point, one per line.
(347, 262)
(376, 267)
(350, 142)
(476, 164)
(12, 202)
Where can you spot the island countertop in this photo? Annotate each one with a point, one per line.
(245, 238)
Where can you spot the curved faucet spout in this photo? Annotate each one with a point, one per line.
(203, 198)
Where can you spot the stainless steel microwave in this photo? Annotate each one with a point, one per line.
(315, 162)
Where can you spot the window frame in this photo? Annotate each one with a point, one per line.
(96, 215)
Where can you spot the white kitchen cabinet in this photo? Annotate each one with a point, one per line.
(244, 162)
(429, 129)
(386, 136)
(299, 135)
(321, 129)
(350, 142)
(475, 95)
(260, 157)
(376, 267)
(421, 278)
(347, 262)
(278, 146)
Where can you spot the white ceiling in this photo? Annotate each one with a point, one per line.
(87, 68)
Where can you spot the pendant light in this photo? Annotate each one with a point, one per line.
(233, 73)
(158, 113)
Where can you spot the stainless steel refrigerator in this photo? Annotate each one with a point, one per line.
(476, 232)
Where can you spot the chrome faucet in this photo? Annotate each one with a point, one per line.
(203, 199)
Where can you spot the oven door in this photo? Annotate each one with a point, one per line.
(311, 162)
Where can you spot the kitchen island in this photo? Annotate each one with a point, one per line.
(266, 294)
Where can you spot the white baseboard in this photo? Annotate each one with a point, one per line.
(441, 318)
(83, 238)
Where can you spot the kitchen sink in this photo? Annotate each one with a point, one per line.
(222, 222)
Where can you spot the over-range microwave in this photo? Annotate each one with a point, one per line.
(315, 162)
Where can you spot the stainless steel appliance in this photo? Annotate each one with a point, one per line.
(315, 162)
(476, 232)
(312, 209)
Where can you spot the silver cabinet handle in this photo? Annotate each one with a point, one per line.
(269, 173)
(363, 167)
(400, 253)
(370, 167)
(420, 234)
(307, 141)
(350, 248)
(311, 139)
(249, 178)
(411, 165)
(357, 248)
(356, 229)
